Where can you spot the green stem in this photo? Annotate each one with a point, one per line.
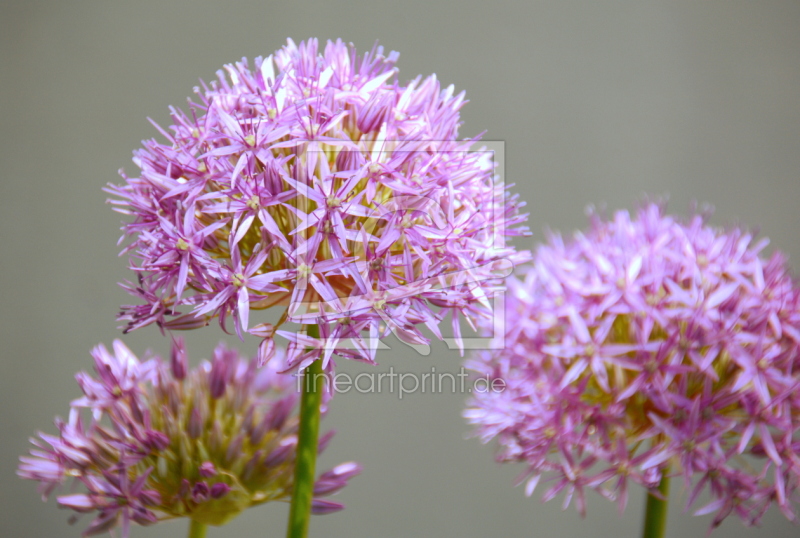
(308, 432)
(655, 517)
(197, 529)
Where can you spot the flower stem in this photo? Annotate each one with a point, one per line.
(308, 432)
(197, 529)
(655, 517)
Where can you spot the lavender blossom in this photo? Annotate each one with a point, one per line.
(154, 440)
(651, 347)
(316, 182)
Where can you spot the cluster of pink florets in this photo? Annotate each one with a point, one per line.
(316, 182)
(649, 347)
(157, 440)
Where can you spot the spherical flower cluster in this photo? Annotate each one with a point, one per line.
(153, 440)
(651, 347)
(315, 181)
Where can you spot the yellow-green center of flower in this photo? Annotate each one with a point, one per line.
(620, 376)
(304, 271)
(228, 436)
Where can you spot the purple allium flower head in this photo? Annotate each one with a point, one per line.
(315, 181)
(158, 444)
(648, 347)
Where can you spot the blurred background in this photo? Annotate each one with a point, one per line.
(597, 102)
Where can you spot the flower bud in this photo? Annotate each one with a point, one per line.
(78, 502)
(219, 373)
(200, 492)
(266, 350)
(375, 111)
(321, 507)
(207, 469)
(349, 160)
(156, 440)
(285, 449)
(219, 490)
(178, 361)
(195, 429)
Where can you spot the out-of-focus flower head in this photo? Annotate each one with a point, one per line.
(648, 347)
(155, 440)
(313, 180)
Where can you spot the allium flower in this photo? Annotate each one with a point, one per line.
(650, 347)
(160, 441)
(316, 182)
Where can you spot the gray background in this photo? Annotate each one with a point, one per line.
(596, 102)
